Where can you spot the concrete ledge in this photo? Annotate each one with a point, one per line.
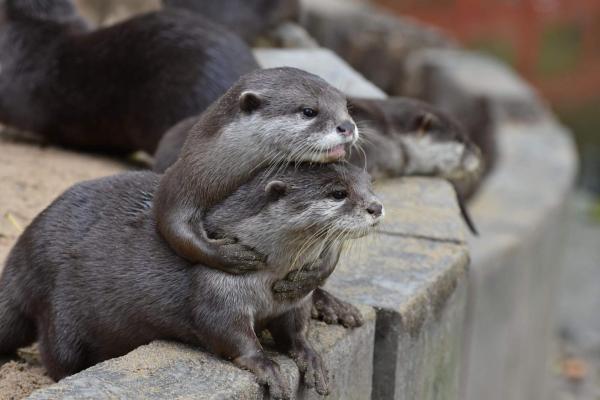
(163, 370)
(322, 62)
(519, 211)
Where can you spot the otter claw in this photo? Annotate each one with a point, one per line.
(332, 310)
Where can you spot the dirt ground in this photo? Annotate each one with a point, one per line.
(19, 377)
(31, 176)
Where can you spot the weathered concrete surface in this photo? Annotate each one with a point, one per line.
(418, 288)
(321, 62)
(164, 370)
(519, 212)
(515, 263)
(405, 205)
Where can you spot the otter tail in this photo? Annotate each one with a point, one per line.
(16, 330)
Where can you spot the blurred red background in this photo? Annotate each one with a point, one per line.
(555, 44)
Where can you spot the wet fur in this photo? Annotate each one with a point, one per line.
(116, 89)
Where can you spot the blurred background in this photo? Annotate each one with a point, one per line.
(555, 45)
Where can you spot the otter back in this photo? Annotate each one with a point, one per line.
(115, 89)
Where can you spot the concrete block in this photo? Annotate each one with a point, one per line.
(164, 370)
(515, 263)
(418, 287)
(321, 62)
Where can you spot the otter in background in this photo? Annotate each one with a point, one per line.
(115, 89)
(247, 18)
(401, 136)
(107, 282)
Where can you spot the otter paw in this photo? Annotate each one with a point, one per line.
(312, 369)
(267, 373)
(241, 259)
(332, 310)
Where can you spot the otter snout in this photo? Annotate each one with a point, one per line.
(346, 128)
(375, 209)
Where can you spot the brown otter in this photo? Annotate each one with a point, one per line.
(92, 278)
(116, 89)
(247, 18)
(269, 117)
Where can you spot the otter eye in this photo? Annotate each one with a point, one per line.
(339, 194)
(309, 112)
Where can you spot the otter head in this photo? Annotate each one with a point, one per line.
(292, 215)
(432, 142)
(295, 116)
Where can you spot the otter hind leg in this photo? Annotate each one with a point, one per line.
(289, 333)
(61, 350)
(16, 330)
(238, 342)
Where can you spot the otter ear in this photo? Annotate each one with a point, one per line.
(249, 101)
(276, 190)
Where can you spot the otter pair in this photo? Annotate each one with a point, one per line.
(92, 278)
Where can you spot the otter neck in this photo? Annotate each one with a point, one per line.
(234, 153)
(286, 250)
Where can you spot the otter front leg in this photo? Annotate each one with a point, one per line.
(289, 333)
(183, 229)
(326, 306)
(240, 344)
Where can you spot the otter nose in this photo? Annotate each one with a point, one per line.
(375, 209)
(346, 128)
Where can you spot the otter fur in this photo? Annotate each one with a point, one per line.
(115, 89)
(92, 279)
(269, 117)
(249, 19)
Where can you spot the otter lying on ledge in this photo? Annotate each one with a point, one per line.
(92, 278)
(115, 89)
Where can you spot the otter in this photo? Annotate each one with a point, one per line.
(247, 18)
(270, 117)
(93, 279)
(399, 136)
(405, 136)
(115, 89)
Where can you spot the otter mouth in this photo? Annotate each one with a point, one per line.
(334, 153)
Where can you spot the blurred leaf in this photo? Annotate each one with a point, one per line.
(574, 368)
